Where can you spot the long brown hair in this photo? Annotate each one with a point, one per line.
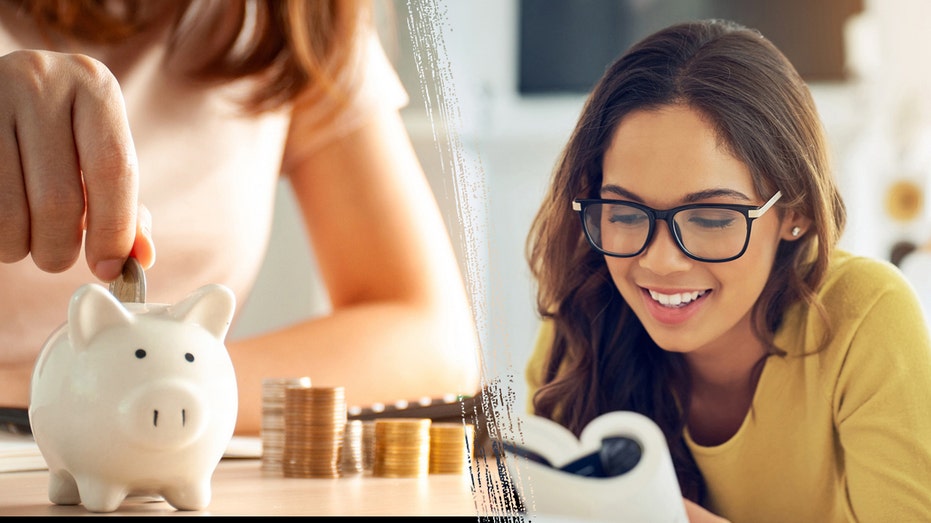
(292, 44)
(602, 358)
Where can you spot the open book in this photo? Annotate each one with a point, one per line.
(618, 469)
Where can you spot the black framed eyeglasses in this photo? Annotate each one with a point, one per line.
(707, 232)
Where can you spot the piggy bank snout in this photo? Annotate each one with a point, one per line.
(164, 414)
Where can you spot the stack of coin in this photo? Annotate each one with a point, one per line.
(272, 430)
(402, 447)
(314, 424)
(350, 457)
(451, 447)
(368, 445)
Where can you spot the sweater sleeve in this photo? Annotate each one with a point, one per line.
(882, 405)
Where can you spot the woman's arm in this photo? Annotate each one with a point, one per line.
(401, 326)
(882, 404)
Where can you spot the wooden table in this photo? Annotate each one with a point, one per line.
(241, 487)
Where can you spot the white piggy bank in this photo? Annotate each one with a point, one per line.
(135, 399)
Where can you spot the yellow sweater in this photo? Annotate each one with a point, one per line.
(841, 435)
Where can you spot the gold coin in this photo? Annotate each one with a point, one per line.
(450, 447)
(402, 447)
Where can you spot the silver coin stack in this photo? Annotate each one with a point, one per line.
(358, 452)
(272, 431)
(350, 457)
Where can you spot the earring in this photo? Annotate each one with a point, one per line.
(796, 231)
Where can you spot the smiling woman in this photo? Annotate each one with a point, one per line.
(686, 142)
(700, 285)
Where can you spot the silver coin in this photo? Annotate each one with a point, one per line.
(129, 287)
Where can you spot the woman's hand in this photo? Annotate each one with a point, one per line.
(68, 166)
(698, 514)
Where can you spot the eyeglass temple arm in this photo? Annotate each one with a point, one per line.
(759, 212)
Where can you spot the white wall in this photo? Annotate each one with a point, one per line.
(508, 146)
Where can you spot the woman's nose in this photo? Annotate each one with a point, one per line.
(662, 255)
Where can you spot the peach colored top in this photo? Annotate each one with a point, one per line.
(207, 174)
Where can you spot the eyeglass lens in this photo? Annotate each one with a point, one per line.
(708, 233)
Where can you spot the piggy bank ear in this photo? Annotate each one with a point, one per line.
(92, 310)
(210, 306)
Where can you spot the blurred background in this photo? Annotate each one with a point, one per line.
(496, 87)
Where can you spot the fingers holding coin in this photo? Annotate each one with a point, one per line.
(129, 286)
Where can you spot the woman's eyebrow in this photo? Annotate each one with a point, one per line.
(715, 193)
(616, 190)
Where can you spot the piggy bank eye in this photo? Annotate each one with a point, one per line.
(140, 353)
(188, 356)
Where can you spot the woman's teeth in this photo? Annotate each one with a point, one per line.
(676, 300)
